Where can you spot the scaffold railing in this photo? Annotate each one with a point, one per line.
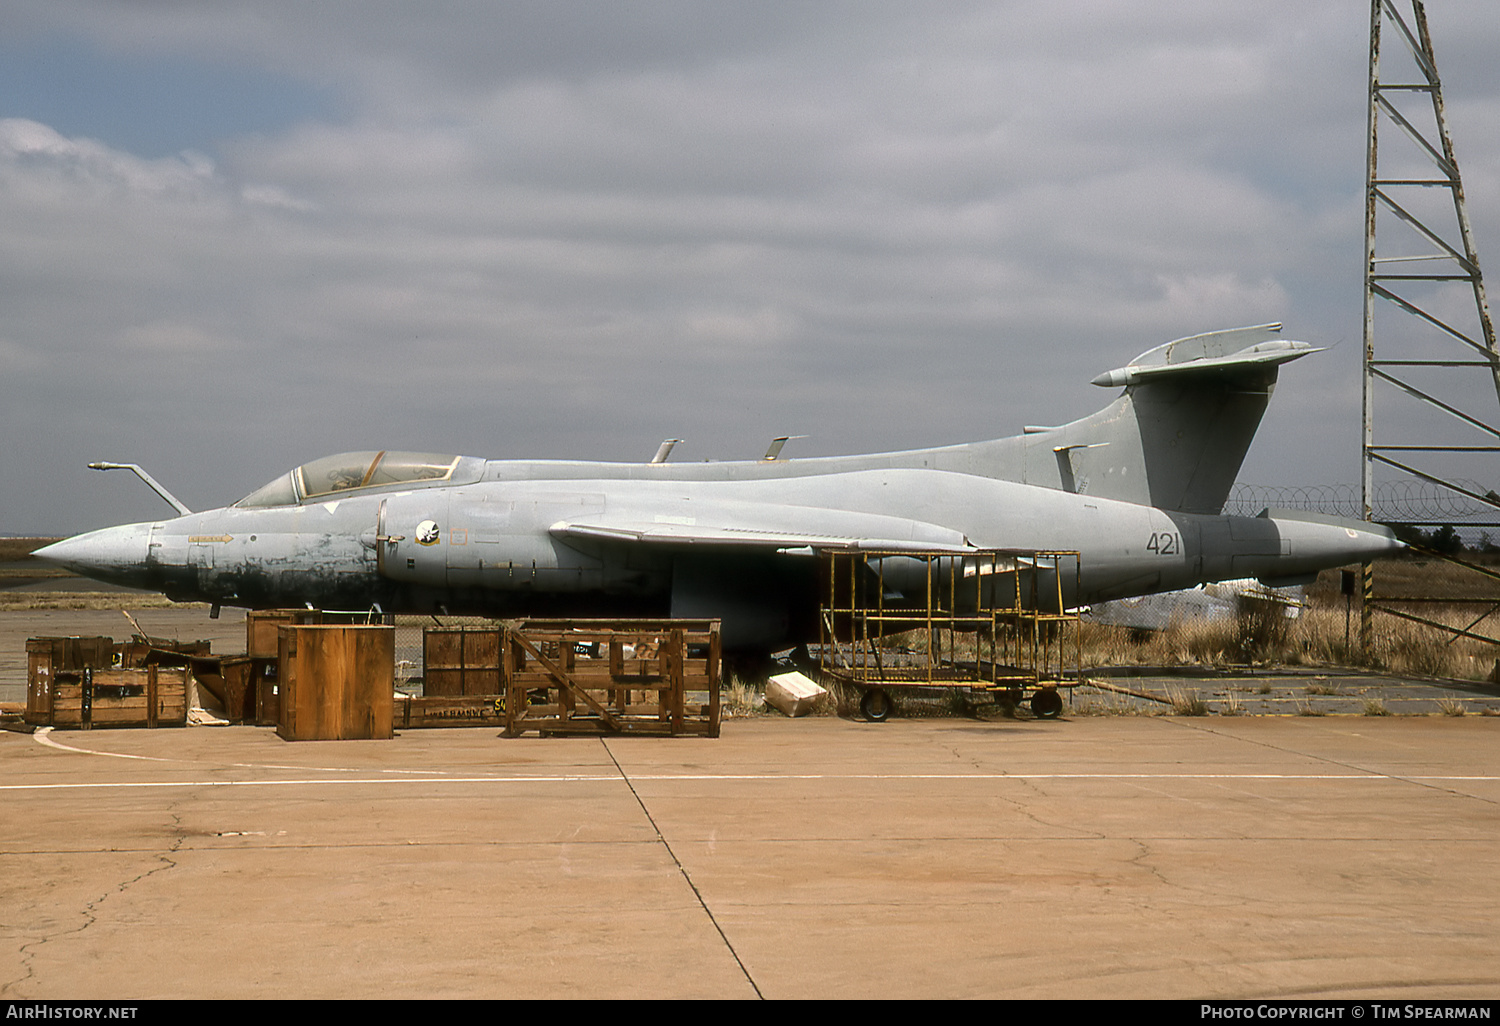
(992, 619)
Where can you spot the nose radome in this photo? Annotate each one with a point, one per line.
(113, 554)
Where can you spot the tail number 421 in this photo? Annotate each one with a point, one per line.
(1165, 543)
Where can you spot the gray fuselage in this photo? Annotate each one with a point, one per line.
(518, 545)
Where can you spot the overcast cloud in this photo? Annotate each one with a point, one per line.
(238, 236)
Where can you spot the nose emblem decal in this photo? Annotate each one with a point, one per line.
(427, 532)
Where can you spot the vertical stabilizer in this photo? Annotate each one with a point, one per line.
(1175, 438)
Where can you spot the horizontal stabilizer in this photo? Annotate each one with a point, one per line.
(1217, 352)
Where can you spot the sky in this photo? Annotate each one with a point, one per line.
(236, 236)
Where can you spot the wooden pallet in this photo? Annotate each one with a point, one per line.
(445, 711)
(612, 677)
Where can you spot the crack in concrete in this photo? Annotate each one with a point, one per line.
(90, 909)
(686, 876)
(1141, 860)
(1416, 782)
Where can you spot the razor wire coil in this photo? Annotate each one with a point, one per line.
(1394, 501)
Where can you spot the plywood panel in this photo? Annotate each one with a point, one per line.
(337, 683)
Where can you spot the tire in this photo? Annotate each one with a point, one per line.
(1046, 704)
(876, 705)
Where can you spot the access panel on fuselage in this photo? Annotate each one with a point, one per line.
(411, 537)
(456, 539)
(503, 543)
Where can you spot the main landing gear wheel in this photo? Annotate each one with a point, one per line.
(876, 705)
(1046, 704)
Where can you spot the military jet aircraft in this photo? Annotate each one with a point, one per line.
(1136, 489)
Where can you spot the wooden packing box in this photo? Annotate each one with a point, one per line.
(141, 651)
(232, 680)
(461, 661)
(208, 675)
(48, 656)
(471, 711)
(267, 687)
(153, 696)
(336, 682)
(612, 677)
(262, 625)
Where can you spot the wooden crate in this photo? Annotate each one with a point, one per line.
(461, 661)
(232, 680)
(267, 688)
(612, 677)
(153, 696)
(336, 682)
(471, 711)
(262, 625)
(208, 674)
(46, 657)
(141, 651)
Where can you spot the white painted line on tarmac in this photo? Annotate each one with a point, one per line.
(310, 782)
(759, 777)
(1051, 776)
(43, 736)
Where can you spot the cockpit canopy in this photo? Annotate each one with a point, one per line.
(334, 475)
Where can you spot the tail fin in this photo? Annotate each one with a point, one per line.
(1175, 438)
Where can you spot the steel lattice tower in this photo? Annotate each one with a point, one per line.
(1435, 354)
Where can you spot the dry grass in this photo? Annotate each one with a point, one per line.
(1101, 700)
(22, 600)
(1449, 707)
(13, 550)
(741, 698)
(1316, 638)
(1260, 636)
(1403, 647)
(1435, 578)
(1187, 702)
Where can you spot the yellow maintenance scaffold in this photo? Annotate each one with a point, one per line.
(987, 620)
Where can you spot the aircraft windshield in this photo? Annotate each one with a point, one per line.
(367, 469)
(349, 470)
(280, 492)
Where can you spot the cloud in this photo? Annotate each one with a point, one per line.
(34, 154)
(574, 229)
(17, 359)
(173, 340)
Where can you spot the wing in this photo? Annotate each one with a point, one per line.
(765, 526)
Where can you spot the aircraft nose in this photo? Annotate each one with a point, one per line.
(113, 554)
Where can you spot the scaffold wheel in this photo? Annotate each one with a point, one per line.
(876, 705)
(1046, 704)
